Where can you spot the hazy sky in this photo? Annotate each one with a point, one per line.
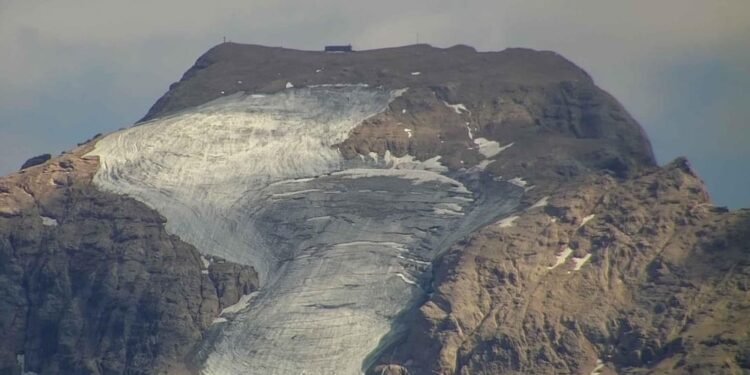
(70, 69)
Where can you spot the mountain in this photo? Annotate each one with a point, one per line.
(410, 210)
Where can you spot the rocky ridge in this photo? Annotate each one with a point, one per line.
(642, 276)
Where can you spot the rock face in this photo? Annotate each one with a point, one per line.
(91, 283)
(636, 276)
(411, 210)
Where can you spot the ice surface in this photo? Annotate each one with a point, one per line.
(197, 167)
(341, 246)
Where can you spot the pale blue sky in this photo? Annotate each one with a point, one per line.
(682, 67)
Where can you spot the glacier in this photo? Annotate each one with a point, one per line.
(343, 247)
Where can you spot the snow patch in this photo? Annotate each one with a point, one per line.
(415, 73)
(598, 369)
(319, 218)
(394, 245)
(484, 164)
(206, 262)
(579, 262)
(408, 132)
(292, 193)
(240, 305)
(406, 279)
(417, 261)
(518, 181)
(507, 222)
(586, 220)
(48, 221)
(21, 360)
(468, 129)
(540, 203)
(490, 148)
(289, 85)
(561, 258)
(340, 85)
(410, 162)
(458, 108)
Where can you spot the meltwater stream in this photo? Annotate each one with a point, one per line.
(342, 247)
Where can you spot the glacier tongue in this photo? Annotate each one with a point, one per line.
(343, 247)
(195, 167)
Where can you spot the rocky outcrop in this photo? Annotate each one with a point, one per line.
(559, 123)
(90, 282)
(630, 277)
(36, 160)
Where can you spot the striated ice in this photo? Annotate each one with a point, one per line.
(341, 246)
(197, 167)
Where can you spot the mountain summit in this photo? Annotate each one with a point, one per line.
(409, 210)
